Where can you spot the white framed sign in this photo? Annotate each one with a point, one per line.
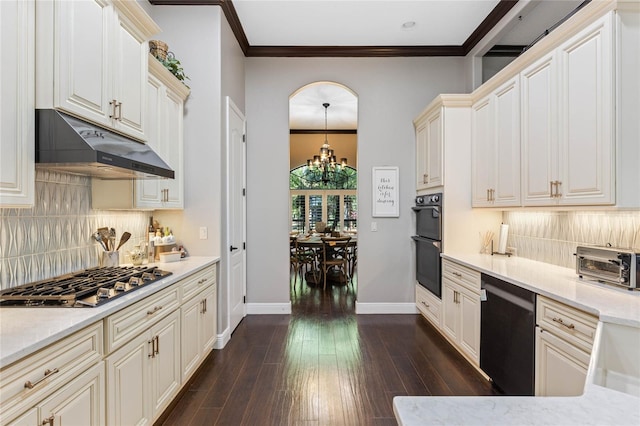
(385, 192)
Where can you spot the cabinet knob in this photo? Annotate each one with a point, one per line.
(49, 421)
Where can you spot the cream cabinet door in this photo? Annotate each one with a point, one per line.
(539, 135)
(128, 397)
(191, 312)
(165, 362)
(17, 85)
(450, 310)
(82, 66)
(482, 147)
(586, 135)
(429, 150)
(81, 402)
(506, 154)
(209, 328)
(561, 368)
(130, 53)
(173, 151)
(30, 418)
(469, 333)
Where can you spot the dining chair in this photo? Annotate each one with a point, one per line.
(300, 257)
(352, 258)
(334, 255)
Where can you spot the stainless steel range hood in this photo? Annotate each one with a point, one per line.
(68, 144)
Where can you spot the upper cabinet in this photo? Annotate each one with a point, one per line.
(92, 61)
(443, 123)
(429, 140)
(558, 126)
(165, 110)
(568, 121)
(495, 147)
(17, 120)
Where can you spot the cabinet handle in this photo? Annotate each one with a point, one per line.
(205, 306)
(157, 350)
(457, 274)
(155, 309)
(559, 321)
(488, 197)
(493, 194)
(425, 178)
(153, 347)
(202, 281)
(47, 373)
(119, 106)
(425, 304)
(49, 420)
(557, 184)
(114, 103)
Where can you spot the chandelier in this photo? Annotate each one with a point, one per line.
(326, 161)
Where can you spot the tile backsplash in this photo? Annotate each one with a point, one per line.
(55, 236)
(552, 237)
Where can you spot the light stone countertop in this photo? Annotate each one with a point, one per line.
(24, 331)
(596, 406)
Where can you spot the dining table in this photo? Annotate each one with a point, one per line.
(314, 242)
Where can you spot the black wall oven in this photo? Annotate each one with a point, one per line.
(428, 238)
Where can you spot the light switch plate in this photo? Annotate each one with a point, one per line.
(203, 233)
(374, 226)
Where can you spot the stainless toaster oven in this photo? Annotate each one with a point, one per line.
(609, 265)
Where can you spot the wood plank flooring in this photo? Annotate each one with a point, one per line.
(323, 365)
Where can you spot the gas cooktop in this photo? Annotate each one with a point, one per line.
(88, 288)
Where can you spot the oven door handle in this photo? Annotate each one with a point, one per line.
(434, 213)
(437, 244)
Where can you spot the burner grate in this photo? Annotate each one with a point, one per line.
(90, 287)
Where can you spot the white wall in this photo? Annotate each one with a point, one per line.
(202, 40)
(391, 92)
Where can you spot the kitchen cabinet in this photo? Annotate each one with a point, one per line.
(198, 319)
(99, 71)
(495, 147)
(429, 145)
(461, 309)
(79, 402)
(17, 84)
(165, 96)
(429, 305)
(64, 381)
(568, 140)
(564, 339)
(144, 375)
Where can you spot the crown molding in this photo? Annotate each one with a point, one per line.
(229, 11)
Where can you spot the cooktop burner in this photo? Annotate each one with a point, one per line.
(88, 288)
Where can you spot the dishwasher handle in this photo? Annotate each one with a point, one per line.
(490, 290)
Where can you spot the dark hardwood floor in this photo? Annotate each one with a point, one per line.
(323, 365)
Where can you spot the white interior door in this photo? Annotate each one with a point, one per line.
(236, 216)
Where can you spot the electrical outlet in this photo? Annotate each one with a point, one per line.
(203, 233)
(374, 226)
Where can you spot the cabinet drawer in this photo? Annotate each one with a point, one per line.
(428, 304)
(462, 275)
(568, 323)
(194, 284)
(63, 360)
(129, 322)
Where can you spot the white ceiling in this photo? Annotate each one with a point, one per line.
(288, 23)
(360, 22)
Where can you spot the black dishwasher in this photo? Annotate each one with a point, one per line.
(507, 336)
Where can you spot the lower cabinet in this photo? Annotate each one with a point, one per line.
(561, 369)
(564, 338)
(461, 308)
(144, 375)
(79, 402)
(429, 305)
(198, 317)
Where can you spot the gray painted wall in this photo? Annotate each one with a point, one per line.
(391, 92)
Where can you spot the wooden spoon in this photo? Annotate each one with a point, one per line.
(123, 239)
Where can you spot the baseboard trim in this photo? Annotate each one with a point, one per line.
(386, 308)
(268, 308)
(222, 339)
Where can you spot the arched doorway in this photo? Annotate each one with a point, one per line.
(323, 179)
